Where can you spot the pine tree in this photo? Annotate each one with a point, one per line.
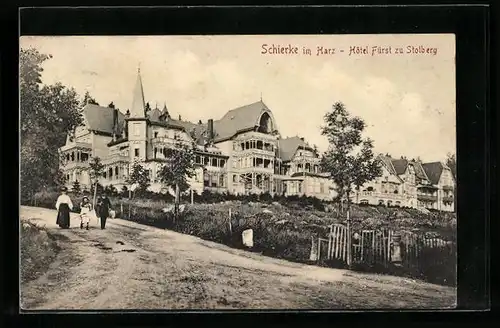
(76, 187)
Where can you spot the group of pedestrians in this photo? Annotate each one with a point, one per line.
(64, 206)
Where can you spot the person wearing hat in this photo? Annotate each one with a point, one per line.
(85, 209)
(63, 206)
(104, 208)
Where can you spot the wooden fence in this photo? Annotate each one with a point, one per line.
(385, 248)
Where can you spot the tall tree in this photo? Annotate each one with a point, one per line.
(349, 158)
(451, 162)
(88, 99)
(96, 172)
(48, 114)
(139, 176)
(179, 166)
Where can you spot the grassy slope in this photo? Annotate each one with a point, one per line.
(38, 250)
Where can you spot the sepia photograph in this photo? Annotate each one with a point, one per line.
(248, 172)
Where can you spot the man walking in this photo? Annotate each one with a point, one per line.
(104, 207)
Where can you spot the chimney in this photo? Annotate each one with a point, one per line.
(210, 129)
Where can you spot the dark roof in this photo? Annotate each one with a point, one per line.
(154, 115)
(433, 171)
(239, 119)
(288, 147)
(400, 165)
(186, 126)
(419, 171)
(387, 161)
(100, 118)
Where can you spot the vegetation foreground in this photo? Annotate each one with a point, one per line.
(279, 230)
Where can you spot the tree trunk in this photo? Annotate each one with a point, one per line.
(349, 233)
(177, 200)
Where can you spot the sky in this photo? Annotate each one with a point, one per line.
(407, 100)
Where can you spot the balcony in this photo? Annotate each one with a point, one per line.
(448, 188)
(76, 145)
(115, 158)
(255, 135)
(448, 199)
(74, 165)
(255, 151)
(380, 195)
(427, 187)
(427, 198)
(167, 141)
(256, 169)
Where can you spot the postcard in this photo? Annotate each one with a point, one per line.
(215, 172)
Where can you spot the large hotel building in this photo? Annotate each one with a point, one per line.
(240, 153)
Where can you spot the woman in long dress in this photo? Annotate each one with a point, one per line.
(63, 206)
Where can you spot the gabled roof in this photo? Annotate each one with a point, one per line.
(189, 127)
(433, 171)
(239, 119)
(399, 165)
(288, 147)
(387, 161)
(154, 114)
(100, 118)
(419, 171)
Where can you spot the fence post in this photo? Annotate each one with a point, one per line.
(319, 249)
(230, 225)
(192, 196)
(330, 236)
(349, 254)
(121, 209)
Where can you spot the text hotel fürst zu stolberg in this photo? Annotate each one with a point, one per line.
(355, 50)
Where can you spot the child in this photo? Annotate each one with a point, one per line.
(86, 208)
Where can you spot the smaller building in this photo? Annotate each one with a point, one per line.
(409, 183)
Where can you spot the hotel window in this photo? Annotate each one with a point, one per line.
(136, 152)
(214, 162)
(156, 134)
(116, 171)
(235, 178)
(300, 187)
(221, 180)
(198, 159)
(222, 163)
(110, 174)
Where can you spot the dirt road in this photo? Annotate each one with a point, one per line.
(131, 266)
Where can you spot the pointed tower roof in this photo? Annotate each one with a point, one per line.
(138, 104)
(164, 112)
